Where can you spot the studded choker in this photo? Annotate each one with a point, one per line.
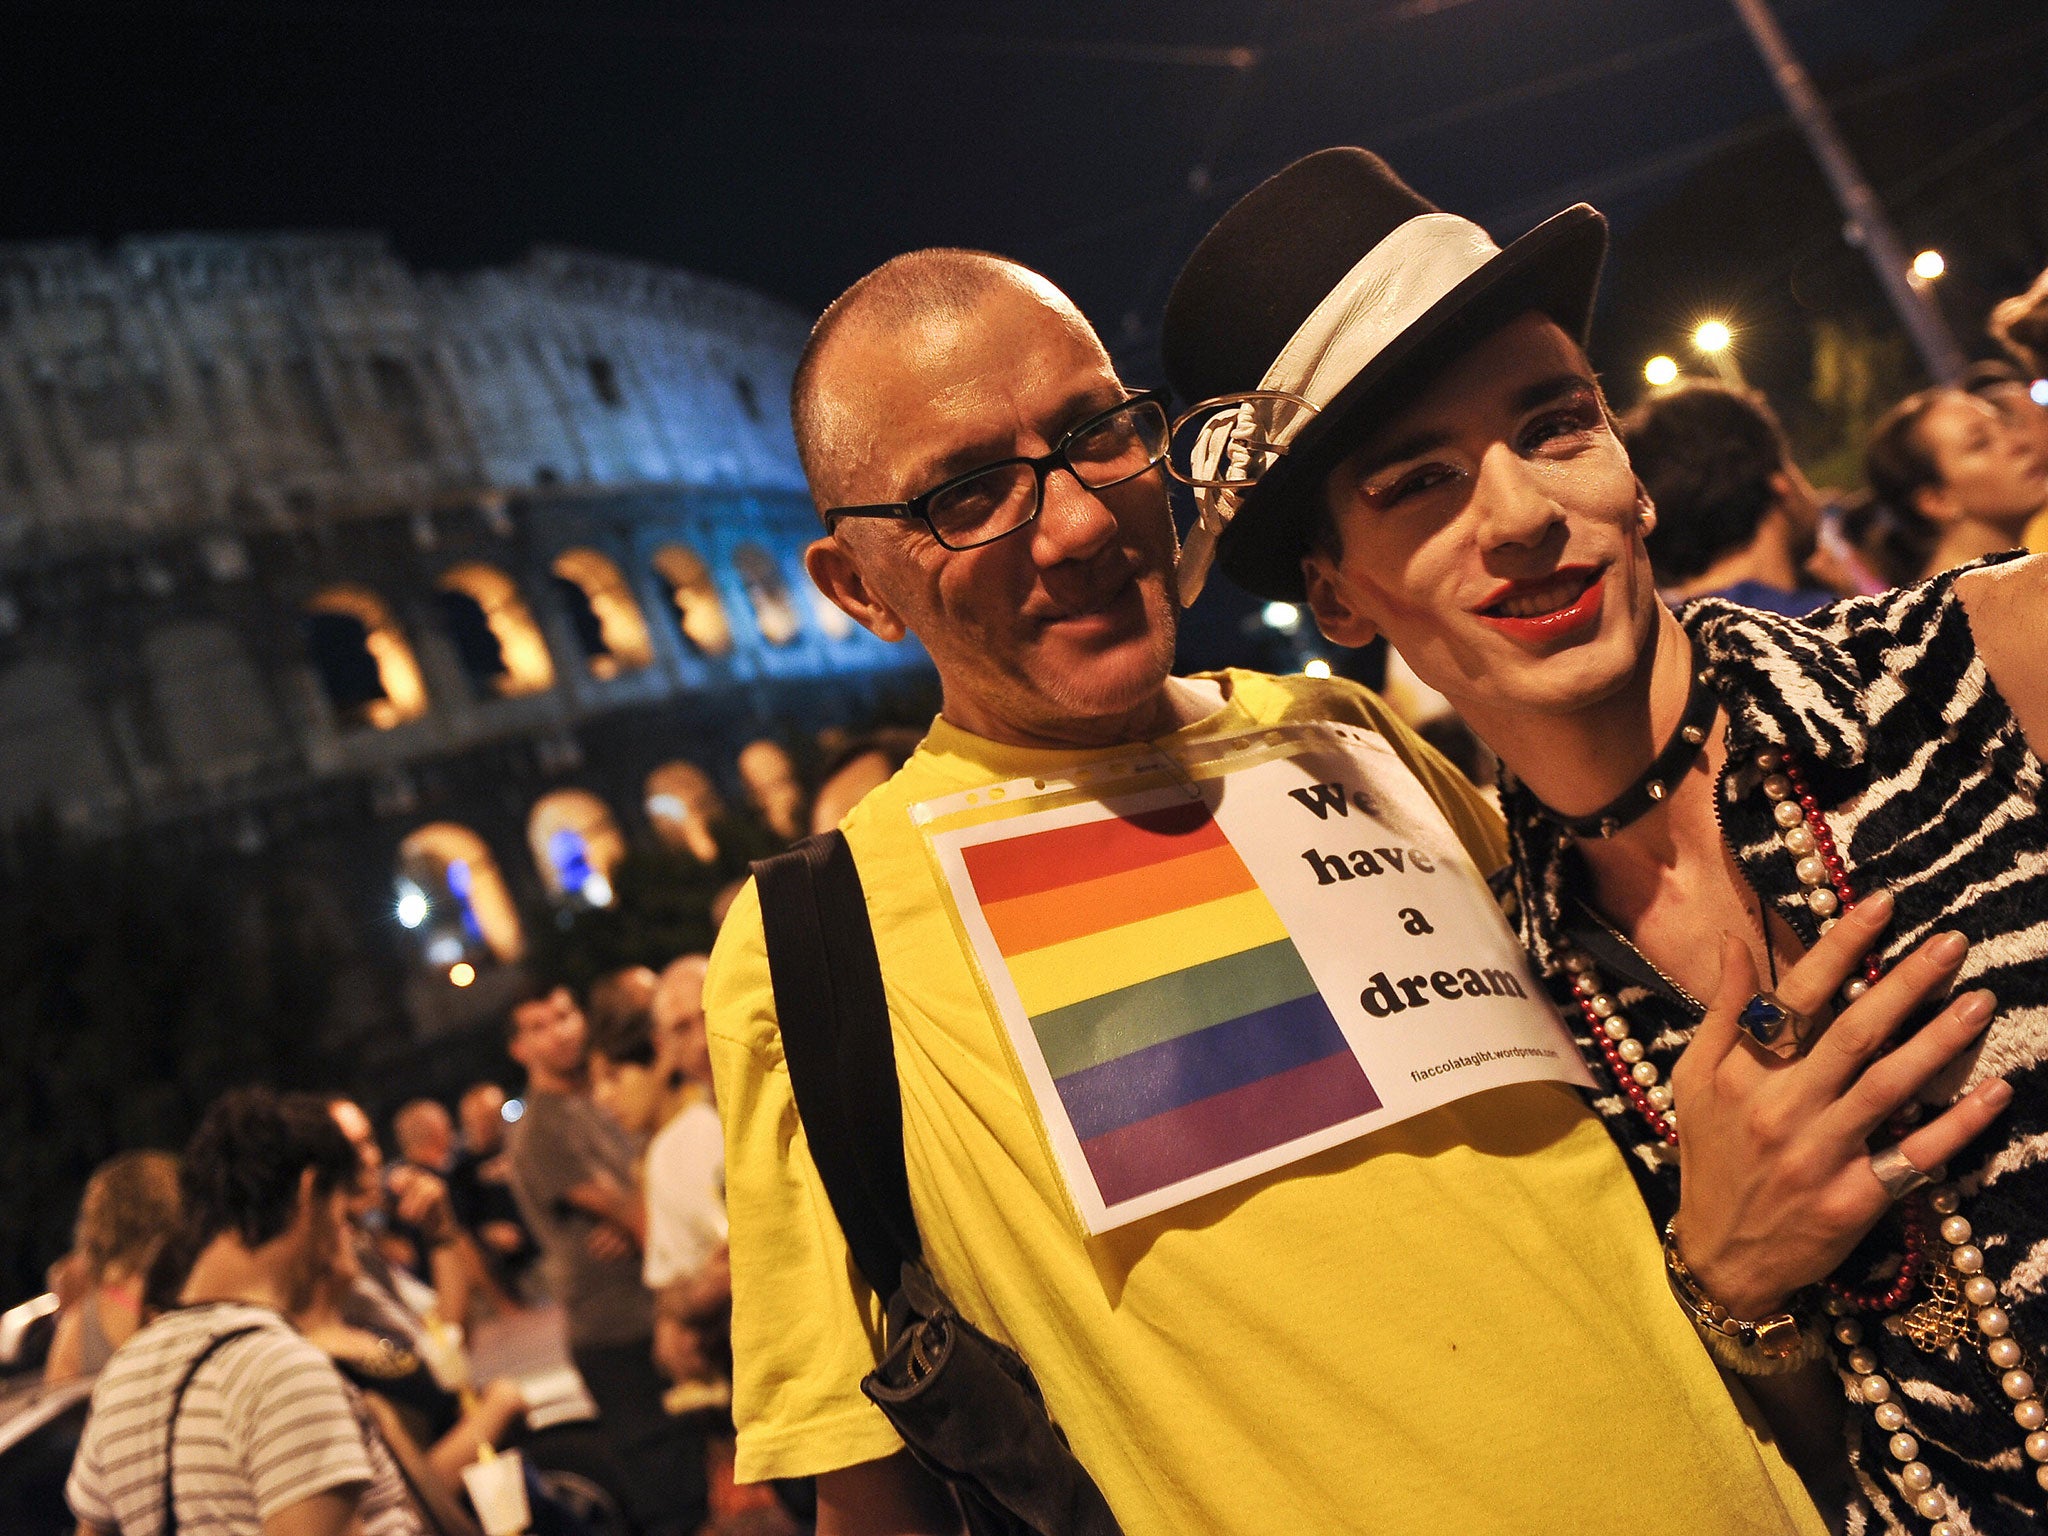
(1655, 781)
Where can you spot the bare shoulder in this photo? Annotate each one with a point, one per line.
(2009, 582)
(2008, 608)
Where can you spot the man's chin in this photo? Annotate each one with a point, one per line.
(1099, 680)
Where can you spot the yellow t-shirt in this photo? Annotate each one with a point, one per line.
(1458, 1324)
(2035, 538)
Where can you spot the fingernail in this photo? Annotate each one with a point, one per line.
(1947, 947)
(1877, 905)
(1976, 1007)
(1997, 1093)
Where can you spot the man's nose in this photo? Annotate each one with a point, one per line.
(1074, 522)
(1515, 507)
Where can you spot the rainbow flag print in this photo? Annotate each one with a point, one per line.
(1175, 1015)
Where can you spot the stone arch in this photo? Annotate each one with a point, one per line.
(576, 845)
(832, 618)
(772, 787)
(501, 647)
(700, 611)
(51, 749)
(775, 612)
(209, 699)
(364, 662)
(448, 876)
(683, 807)
(607, 620)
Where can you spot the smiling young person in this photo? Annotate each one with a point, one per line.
(1429, 1326)
(1693, 801)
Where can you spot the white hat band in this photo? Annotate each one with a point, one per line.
(1391, 287)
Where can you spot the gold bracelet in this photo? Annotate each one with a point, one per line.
(1772, 1346)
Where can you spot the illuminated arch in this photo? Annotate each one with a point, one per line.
(450, 887)
(682, 806)
(830, 616)
(775, 614)
(510, 656)
(365, 662)
(773, 789)
(607, 620)
(700, 612)
(576, 845)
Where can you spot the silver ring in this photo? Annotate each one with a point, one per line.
(1897, 1173)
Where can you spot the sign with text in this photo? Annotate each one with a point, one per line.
(1216, 961)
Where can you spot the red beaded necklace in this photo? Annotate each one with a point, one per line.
(1638, 1080)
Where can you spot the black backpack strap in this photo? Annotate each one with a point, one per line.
(834, 1018)
(170, 1522)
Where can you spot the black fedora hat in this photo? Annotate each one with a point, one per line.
(1336, 283)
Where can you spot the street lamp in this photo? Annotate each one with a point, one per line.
(1928, 265)
(1660, 370)
(1716, 342)
(413, 905)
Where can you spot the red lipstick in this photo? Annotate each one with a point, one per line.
(1578, 591)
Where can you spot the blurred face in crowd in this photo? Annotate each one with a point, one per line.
(618, 993)
(1060, 633)
(355, 1125)
(632, 1093)
(426, 1135)
(679, 1020)
(549, 1034)
(1990, 473)
(2015, 402)
(483, 1118)
(1491, 531)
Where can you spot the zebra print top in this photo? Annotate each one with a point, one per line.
(1932, 792)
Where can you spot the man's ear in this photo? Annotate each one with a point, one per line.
(836, 575)
(1335, 616)
(309, 1196)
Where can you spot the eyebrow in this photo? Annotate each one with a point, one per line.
(936, 469)
(1531, 396)
(1556, 387)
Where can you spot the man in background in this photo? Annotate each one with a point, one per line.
(572, 1172)
(404, 1234)
(686, 1266)
(1735, 517)
(268, 1438)
(480, 1189)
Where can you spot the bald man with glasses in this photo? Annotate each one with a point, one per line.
(1422, 1328)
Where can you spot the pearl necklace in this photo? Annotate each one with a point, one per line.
(1950, 1311)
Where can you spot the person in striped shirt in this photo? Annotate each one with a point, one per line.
(265, 1438)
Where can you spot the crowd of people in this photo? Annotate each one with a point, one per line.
(1954, 473)
(591, 1205)
(302, 1303)
(1767, 790)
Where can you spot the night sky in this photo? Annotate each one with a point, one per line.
(792, 146)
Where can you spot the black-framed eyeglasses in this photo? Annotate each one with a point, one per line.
(989, 502)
